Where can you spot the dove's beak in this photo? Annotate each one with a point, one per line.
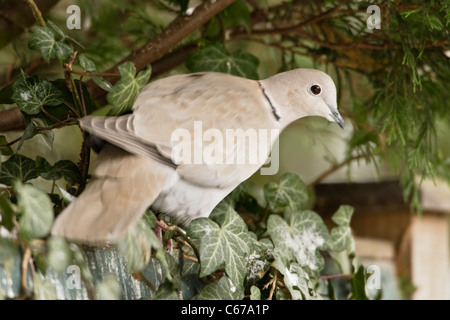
(335, 115)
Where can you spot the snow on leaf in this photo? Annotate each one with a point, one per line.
(301, 239)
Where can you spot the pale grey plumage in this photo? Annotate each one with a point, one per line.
(136, 169)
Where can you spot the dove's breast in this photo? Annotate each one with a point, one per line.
(185, 201)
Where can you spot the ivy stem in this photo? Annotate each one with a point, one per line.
(182, 233)
(24, 275)
(36, 12)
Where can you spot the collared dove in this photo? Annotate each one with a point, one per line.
(136, 168)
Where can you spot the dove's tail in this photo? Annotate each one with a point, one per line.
(123, 186)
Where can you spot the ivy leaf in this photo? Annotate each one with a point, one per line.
(44, 40)
(224, 240)
(224, 289)
(89, 66)
(255, 293)
(126, 90)
(359, 285)
(6, 151)
(301, 239)
(291, 191)
(109, 289)
(9, 250)
(343, 216)
(7, 212)
(215, 58)
(59, 254)
(341, 236)
(30, 93)
(6, 94)
(37, 211)
(137, 245)
(47, 135)
(43, 289)
(62, 169)
(237, 14)
(17, 167)
(295, 279)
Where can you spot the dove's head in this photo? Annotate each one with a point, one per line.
(303, 92)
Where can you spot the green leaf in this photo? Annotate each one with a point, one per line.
(87, 64)
(301, 239)
(166, 292)
(6, 151)
(7, 212)
(30, 93)
(224, 289)
(291, 191)
(37, 217)
(28, 133)
(215, 58)
(59, 254)
(224, 240)
(237, 14)
(295, 279)
(47, 135)
(62, 169)
(6, 95)
(343, 216)
(136, 246)
(341, 237)
(359, 285)
(9, 250)
(43, 289)
(44, 40)
(126, 90)
(257, 263)
(109, 289)
(255, 293)
(17, 167)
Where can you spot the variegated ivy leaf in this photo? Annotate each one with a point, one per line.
(50, 44)
(341, 237)
(37, 211)
(224, 241)
(300, 239)
(126, 90)
(289, 192)
(30, 93)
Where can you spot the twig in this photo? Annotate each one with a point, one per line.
(182, 26)
(95, 74)
(334, 276)
(182, 233)
(337, 167)
(190, 258)
(24, 272)
(272, 282)
(36, 12)
(140, 277)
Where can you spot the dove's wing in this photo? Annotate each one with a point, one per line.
(220, 104)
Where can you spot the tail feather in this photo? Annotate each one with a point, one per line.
(122, 188)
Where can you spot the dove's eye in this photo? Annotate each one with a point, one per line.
(315, 90)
